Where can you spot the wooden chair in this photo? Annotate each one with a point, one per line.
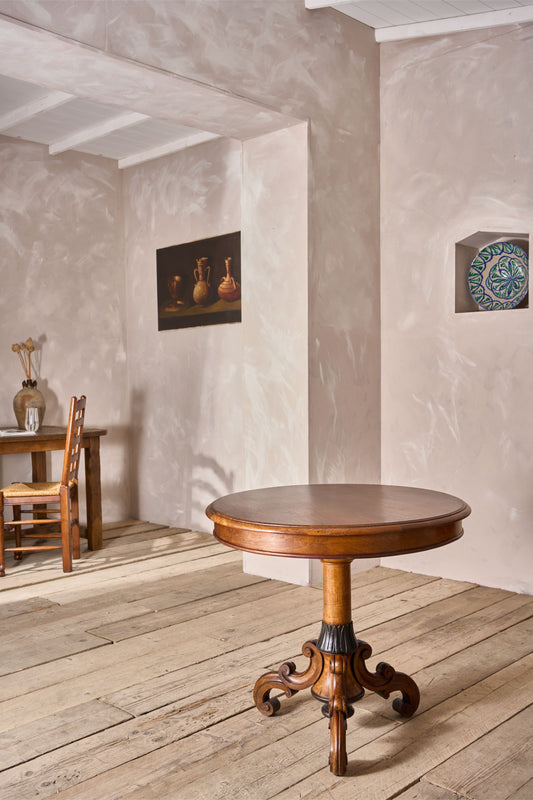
(63, 494)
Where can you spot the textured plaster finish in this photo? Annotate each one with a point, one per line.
(275, 309)
(224, 408)
(344, 342)
(185, 385)
(62, 285)
(285, 64)
(82, 22)
(323, 67)
(458, 388)
(85, 72)
(316, 65)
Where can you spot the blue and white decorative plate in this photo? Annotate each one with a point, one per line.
(499, 275)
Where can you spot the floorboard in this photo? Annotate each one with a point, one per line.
(131, 679)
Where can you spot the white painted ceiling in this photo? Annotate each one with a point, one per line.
(401, 19)
(63, 121)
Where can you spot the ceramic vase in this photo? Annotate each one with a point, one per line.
(229, 289)
(200, 293)
(29, 395)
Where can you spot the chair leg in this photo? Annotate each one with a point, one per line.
(75, 521)
(66, 530)
(18, 532)
(2, 535)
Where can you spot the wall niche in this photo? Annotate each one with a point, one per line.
(466, 250)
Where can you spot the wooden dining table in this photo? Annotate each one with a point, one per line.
(337, 523)
(52, 437)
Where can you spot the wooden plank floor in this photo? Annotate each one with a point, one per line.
(131, 678)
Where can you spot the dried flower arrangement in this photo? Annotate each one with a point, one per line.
(24, 350)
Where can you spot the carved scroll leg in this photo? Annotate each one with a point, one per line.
(287, 679)
(386, 680)
(408, 703)
(337, 715)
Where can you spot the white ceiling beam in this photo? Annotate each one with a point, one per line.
(325, 3)
(34, 55)
(469, 22)
(166, 149)
(29, 110)
(96, 132)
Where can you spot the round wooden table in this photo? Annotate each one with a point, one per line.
(337, 523)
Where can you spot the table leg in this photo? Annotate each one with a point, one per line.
(94, 494)
(38, 467)
(337, 671)
(337, 686)
(288, 680)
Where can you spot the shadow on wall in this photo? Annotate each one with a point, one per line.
(208, 481)
(115, 462)
(56, 413)
(133, 448)
(173, 473)
(184, 502)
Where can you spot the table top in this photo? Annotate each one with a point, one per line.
(337, 520)
(48, 437)
(54, 432)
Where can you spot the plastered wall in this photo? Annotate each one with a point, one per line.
(184, 386)
(323, 67)
(305, 64)
(275, 321)
(456, 158)
(319, 66)
(299, 63)
(216, 409)
(62, 284)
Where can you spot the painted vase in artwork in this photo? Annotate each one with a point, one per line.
(229, 289)
(201, 291)
(175, 290)
(28, 397)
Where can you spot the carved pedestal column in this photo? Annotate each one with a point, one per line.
(337, 671)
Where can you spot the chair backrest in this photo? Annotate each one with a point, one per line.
(71, 461)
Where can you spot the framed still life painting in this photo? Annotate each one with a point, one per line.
(199, 283)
